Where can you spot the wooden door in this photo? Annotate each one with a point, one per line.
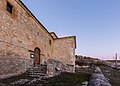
(36, 56)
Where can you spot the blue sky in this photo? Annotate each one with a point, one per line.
(95, 23)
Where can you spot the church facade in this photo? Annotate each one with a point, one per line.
(25, 41)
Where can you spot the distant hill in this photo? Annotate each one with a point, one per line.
(88, 61)
(114, 61)
(84, 60)
(85, 57)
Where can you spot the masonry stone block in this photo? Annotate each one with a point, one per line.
(21, 32)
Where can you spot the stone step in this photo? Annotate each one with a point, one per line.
(37, 71)
(40, 68)
(35, 76)
(38, 76)
(42, 74)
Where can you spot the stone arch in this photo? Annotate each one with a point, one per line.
(37, 56)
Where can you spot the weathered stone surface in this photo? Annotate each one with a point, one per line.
(64, 47)
(52, 65)
(38, 71)
(56, 67)
(98, 70)
(13, 66)
(98, 79)
(21, 32)
(84, 83)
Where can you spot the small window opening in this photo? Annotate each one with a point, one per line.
(50, 42)
(9, 7)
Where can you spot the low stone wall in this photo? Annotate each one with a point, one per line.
(56, 67)
(98, 79)
(13, 66)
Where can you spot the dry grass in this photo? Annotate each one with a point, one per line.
(112, 74)
(65, 79)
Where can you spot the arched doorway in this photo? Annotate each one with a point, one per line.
(37, 56)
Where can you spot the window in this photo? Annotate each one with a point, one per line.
(50, 42)
(9, 7)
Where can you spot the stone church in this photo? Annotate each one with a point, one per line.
(24, 41)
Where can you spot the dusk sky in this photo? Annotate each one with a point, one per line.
(95, 23)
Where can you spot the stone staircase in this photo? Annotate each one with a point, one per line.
(34, 76)
(38, 71)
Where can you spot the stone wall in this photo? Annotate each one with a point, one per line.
(55, 67)
(21, 32)
(64, 50)
(13, 66)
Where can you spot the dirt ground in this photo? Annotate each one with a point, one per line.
(113, 75)
(82, 74)
(65, 79)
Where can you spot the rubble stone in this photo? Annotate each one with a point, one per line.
(56, 67)
(98, 79)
